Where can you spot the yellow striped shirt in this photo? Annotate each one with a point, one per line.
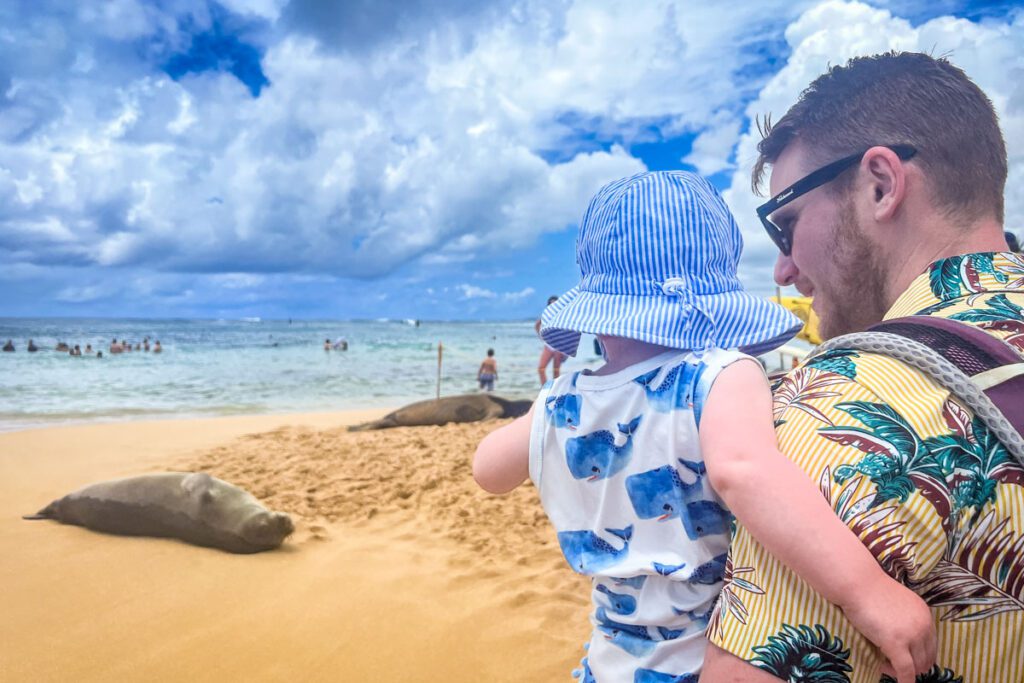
(927, 488)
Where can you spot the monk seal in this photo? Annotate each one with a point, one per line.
(464, 408)
(196, 508)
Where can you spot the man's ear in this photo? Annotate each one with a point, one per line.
(887, 181)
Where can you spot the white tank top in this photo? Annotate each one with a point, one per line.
(617, 462)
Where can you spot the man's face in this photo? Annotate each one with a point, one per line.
(832, 259)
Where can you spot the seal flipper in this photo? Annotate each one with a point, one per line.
(48, 512)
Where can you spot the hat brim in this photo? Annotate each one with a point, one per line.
(727, 320)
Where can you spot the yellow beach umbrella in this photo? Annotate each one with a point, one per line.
(800, 306)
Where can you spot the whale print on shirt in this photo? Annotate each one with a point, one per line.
(620, 603)
(595, 456)
(667, 569)
(701, 620)
(711, 572)
(661, 493)
(670, 633)
(675, 391)
(632, 638)
(588, 553)
(634, 582)
(706, 518)
(652, 676)
(585, 675)
(563, 410)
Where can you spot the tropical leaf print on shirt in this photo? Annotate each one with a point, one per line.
(799, 388)
(895, 459)
(729, 601)
(981, 575)
(874, 526)
(802, 653)
(1014, 268)
(973, 461)
(952, 277)
(999, 315)
(935, 675)
(837, 361)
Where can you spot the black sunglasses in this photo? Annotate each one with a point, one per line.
(782, 235)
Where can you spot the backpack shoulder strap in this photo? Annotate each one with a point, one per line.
(983, 371)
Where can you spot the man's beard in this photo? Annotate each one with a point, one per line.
(854, 298)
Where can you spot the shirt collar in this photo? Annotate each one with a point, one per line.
(957, 277)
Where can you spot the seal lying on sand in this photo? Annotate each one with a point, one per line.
(193, 507)
(465, 408)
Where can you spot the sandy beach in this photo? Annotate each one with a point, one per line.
(400, 569)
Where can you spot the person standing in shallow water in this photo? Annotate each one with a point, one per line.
(9, 346)
(488, 372)
(548, 354)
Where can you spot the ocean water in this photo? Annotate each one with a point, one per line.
(229, 367)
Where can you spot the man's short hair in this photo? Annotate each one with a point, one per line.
(901, 98)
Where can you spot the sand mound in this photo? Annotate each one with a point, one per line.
(329, 480)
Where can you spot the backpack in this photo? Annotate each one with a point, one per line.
(984, 372)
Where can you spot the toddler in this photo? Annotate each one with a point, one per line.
(641, 464)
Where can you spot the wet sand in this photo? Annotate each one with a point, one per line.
(400, 569)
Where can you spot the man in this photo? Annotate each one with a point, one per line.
(488, 372)
(909, 222)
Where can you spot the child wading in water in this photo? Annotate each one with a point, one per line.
(641, 464)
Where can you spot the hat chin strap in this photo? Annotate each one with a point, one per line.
(676, 287)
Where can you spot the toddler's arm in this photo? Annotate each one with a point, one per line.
(786, 513)
(502, 460)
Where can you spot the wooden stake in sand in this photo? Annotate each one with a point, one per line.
(440, 353)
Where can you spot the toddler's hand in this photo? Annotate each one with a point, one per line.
(899, 623)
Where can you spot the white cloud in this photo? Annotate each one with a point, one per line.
(78, 294)
(429, 144)
(834, 31)
(238, 280)
(474, 292)
(354, 164)
(520, 295)
(711, 150)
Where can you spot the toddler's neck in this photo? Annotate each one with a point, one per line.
(620, 353)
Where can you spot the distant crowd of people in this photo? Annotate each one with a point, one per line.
(122, 346)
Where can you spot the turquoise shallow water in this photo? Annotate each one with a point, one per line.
(225, 367)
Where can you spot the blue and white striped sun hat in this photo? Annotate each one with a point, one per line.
(658, 254)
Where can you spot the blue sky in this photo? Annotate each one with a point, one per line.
(308, 159)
